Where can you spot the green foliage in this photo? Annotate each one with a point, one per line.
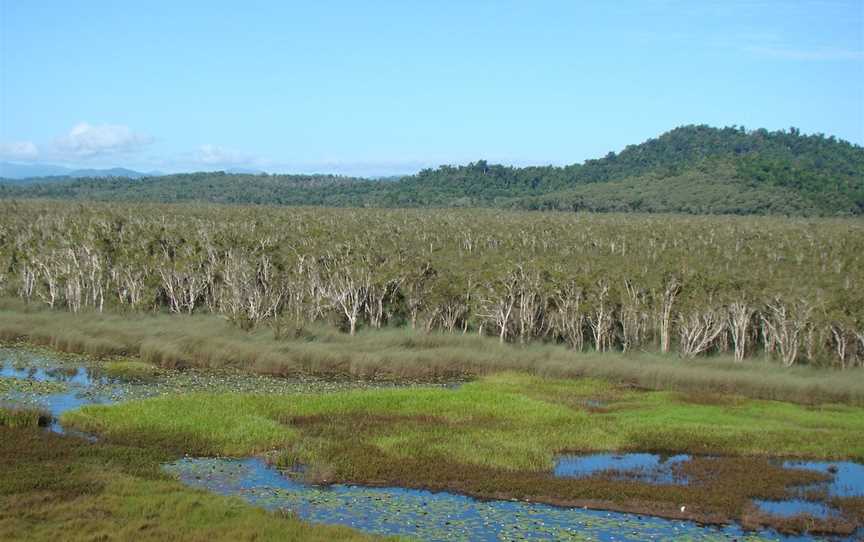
(601, 282)
(691, 169)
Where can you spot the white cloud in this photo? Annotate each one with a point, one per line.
(89, 140)
(19, 150)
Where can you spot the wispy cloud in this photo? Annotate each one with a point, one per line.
(86, 140)
(19, 150)
(210, 155)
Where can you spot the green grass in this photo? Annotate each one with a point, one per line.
(498, 437)
(509, 421)
(61, 488)
(209, 342)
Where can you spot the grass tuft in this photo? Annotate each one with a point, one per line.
(23, 417)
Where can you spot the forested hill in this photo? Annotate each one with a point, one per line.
(692, 169)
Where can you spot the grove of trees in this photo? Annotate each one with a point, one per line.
(789, 289)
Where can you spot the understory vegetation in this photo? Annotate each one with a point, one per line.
(64, 488)
(208, 342)
(497, 437)
(787, 289)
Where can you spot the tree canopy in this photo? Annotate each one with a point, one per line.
(692, 169)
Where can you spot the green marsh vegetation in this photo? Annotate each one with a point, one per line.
(497, 438)
(17, 417)
(64, 488)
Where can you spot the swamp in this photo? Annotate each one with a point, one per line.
(271, 373)
(432, 271)
(500, 457)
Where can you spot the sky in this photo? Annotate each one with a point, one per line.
(385, 88)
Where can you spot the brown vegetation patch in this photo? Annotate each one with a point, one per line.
(753, 518)
(850, 506)
(721, 489)
(55, 487)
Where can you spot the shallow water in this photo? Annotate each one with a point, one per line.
(650, 468)
(847, 480)
(848, 477)
(397, 511)
(434, 516)
(793, 507)
(76, 376)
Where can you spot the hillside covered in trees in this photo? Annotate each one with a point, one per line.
(691, 169)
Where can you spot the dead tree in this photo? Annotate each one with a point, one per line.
(569, 318)
(530, 304)
(671, 291)
(632, 316)
(785, 326)
(740, 318)
(698, 331)
(348, 289)
(498, 306)
(600, 318)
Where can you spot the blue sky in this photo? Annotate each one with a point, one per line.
(377, 88)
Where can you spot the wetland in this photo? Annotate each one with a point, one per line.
(506, 456)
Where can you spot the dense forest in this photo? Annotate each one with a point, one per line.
(789, 289)
(691, 169)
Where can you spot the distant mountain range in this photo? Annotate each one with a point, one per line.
(9, 170)
(694, 169)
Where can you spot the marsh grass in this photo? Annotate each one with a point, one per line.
(498, 437)
(506, 420)
(17, 417)
(63, 488)
(397, 353)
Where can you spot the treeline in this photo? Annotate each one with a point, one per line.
(692, 169)
(789, 289)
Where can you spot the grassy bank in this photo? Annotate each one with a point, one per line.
(210, 342)
(497, 437)
(62, 488)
